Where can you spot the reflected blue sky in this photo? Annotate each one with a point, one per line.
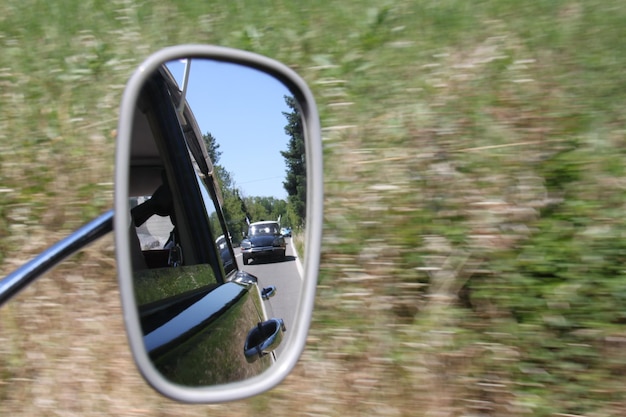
(243, 109)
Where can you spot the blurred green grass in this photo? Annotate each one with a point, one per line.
(473, 239)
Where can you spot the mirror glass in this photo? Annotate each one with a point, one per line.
(217, 194)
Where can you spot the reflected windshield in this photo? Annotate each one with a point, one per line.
(263, 229)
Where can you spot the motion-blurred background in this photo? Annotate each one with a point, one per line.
(474, 239)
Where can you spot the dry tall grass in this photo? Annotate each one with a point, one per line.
(453, 133)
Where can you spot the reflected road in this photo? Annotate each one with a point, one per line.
(286, 276)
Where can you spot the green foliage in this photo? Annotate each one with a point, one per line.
(266, 208)
(562, 292)
(474, 193)
(238, 210)
(212, 147)
(153, 285)
(295, 159)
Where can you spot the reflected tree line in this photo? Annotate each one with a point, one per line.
(239, 210)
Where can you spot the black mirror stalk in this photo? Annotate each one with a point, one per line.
(33, 269)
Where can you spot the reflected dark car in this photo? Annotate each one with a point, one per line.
(225, 254)
(263, 241)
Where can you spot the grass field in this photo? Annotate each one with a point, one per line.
(474, 237)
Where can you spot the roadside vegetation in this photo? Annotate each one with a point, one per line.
(475, 186)
(241, 210)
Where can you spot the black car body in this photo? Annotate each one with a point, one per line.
(264, 240)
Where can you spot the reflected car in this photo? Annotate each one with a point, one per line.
(286, 231)
(224, 249)
(263, 240)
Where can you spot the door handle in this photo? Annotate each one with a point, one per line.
(268, 292)
(263, 339)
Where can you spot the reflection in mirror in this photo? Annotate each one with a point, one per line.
(217, 193)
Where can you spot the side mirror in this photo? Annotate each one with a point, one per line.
(201, 325)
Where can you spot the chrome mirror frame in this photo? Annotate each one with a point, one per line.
(294, 345)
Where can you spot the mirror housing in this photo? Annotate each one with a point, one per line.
(273, 330)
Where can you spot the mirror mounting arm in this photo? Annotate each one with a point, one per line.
(183, 99)
(33, 269)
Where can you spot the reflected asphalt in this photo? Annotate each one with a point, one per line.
(286, 276)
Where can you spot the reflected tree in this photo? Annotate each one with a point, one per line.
(233, 206)
(212, 147)
(295, 159)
